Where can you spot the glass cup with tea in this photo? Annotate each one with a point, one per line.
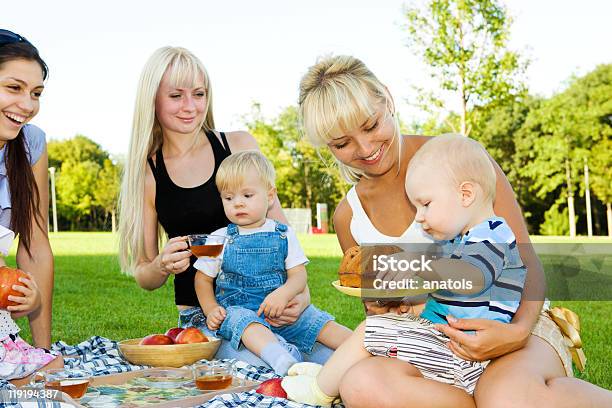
(206, 247)
(214, 375)
(71, 381)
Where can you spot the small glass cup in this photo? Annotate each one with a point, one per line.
(214, 375)
(71, 381)
(206, 245)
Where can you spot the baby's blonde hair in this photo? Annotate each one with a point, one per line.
(234, 169)
(337, 95)
(462, 158)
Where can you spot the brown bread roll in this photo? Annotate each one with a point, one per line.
(356, 269)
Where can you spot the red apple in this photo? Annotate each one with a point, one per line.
(173, 332)
(272, 388)
(191, 335)
(156, 340)
(8, 278)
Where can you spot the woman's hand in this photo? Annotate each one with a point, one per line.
(29, 302)
(292, 311)
(174, 257)
(491, 338)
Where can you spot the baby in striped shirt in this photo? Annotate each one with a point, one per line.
(451, 182)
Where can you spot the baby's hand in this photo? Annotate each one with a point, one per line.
(215, 317)
(29, 302)
(273, 305)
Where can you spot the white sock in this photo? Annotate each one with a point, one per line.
(278, 358)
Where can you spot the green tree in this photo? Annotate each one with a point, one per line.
(304, 175)
(565, 132)
(591, 97)
(465, 44)
(554, 152)
(87, 183)
(600, 164)
(107, 190)
(77, 149)
(556, 221)
(76, 185)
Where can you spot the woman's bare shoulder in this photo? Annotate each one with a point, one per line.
(149, 187)
(343, 212)
(241, 140)
(416, 140)
(412, 143)
(342, 225)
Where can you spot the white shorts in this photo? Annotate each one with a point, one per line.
(414, 340)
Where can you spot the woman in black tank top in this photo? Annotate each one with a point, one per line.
(173, 131)
(183, 211)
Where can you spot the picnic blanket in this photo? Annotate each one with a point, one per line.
(100, 356)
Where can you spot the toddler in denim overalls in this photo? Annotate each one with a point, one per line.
(262, 269)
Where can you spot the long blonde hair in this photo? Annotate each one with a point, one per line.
(337, 95)
(184, 70)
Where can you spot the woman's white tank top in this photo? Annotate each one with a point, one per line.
(364, 232)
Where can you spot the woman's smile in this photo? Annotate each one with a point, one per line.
(187, 120)
(15, 117)
(375, 157)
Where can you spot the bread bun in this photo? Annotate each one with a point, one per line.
(356, 269)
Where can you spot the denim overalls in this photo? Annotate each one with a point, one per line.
(253, 267)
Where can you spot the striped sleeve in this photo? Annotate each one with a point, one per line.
(488, 257)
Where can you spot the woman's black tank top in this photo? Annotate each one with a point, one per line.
(184, 211)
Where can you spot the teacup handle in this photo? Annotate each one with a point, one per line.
(35, 382)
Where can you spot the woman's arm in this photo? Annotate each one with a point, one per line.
(342, 225)
(40, 263)
(153, 269)
(534, 290)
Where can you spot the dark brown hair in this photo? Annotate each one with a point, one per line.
(25, 197)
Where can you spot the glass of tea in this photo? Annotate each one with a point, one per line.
(206, 245)
(214, 375)
(71, 381)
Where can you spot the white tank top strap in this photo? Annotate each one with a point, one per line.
(355, 203)
(364, 232)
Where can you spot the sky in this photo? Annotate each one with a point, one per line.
(257, 51)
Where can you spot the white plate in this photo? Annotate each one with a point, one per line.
(380, 293)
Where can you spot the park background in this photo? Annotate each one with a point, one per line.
(532, 81)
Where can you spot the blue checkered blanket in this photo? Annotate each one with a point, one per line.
(100, 356)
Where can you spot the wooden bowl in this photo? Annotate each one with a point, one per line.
(168, 355)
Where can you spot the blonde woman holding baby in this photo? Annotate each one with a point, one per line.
(345, 107)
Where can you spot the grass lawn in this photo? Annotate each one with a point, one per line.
(92, 297)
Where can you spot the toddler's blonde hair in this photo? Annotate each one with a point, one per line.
(462, 158)
(234, 169)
